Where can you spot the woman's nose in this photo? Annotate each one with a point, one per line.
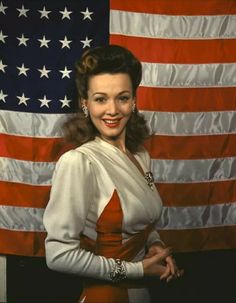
(112, 108)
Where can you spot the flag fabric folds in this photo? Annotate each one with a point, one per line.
(39, 43)
(187, 95)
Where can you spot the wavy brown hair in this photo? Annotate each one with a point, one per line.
(111, 59)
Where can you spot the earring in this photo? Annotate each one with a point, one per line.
(133, 107)
(85, 110)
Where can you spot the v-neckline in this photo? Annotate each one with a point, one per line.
(135, 162)
(146, 175)
(139, 167)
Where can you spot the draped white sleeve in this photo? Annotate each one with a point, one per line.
(72, 192)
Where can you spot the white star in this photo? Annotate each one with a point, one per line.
(44, 42)
(65, 14)
(2, 96)
(2, 66)
(87, 14)
(65, 42)
(44, 72)
(44, 101)
(86, 42)
(23, 11)
(3, 8)
(2, 37)
(22, 40)
(65, 102)
(65, 72)
(23, 99)
(22, 70)
(44, 13)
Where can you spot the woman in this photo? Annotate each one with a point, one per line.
(103, 207)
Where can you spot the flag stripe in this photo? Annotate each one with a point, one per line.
(30, 219)
(35, 149)
(197, 123)
(205, 193)
(186, 99)
(185, 194)
(200, 170)
(173, 147)
(200, 239)
(40, 173)
(27, 172)
(31, 243)
(177, 7)
(196, 147)
(22, 218)
(173, 194)
(188, 75)
(28, 243)
(25, 195)
(198, 216)
(38, 125)
(179, 51)
(172, 27)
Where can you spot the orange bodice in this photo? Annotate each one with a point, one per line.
(109, 244)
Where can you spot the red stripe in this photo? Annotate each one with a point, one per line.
(186, 99)
(32, 149)
(17, 194)
(194, 194)
(179, 51)
(22, 243)
(200, 239)
(177, 7)
(32, 244)
(191, 147)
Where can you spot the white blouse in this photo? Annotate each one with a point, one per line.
(83, 183)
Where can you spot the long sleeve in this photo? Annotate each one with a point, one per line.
(72, 193)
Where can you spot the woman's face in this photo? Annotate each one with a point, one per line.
(110, 101)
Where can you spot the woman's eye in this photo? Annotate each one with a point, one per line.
(100, 100)
(124, 98)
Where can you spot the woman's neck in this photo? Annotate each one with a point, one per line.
(117, 142)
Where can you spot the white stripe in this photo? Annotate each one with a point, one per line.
(188, 75)
(191, 123)
(193, 217)
(21, 218)
(188, 217)
(172, 27)
(169, 171)
(32, 124)
(27, 172)
(189, 171)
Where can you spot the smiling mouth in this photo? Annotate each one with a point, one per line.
(111, 123)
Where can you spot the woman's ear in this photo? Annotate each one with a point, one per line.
(84, 102)
(84, 108)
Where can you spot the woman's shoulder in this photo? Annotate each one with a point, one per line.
(78, 154)
(72, 156)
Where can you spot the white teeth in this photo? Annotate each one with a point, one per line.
(111, 121)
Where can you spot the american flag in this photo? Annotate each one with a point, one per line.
(187, 94)
(40, 41)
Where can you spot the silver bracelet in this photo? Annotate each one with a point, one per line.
(118, 272)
